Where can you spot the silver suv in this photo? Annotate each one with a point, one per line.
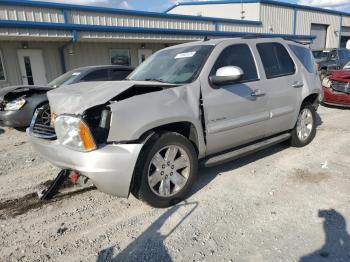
(206, 102)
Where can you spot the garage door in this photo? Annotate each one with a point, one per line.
(345, 37)
(320, 31)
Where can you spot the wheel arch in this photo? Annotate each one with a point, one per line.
(185, 128)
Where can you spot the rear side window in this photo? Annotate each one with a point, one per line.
(276, 60)
(97, 75)
(240, 56)
(305, 57)
(117, 74)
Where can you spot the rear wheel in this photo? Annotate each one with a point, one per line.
(166, 170)
(305, 128)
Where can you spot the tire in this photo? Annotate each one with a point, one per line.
(45, 115)
(156, 186)
(305, 128)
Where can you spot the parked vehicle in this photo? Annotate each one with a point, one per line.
(18, 103)
(336, 59)
(320, 55)
(336, 87)
(206, 102)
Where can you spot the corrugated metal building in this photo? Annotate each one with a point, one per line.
(41, 40)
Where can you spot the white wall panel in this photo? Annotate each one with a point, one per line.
(32, 14)
(13, 74)
(346, 21)
(109, 19)
(307, 17)
(229, 11)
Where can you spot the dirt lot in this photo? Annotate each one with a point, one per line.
(283, 204)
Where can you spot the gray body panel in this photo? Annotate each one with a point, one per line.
(230, 115)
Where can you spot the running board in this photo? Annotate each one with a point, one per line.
(241, 152)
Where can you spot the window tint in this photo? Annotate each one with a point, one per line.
(97, 75)
(2, 69)
(240, 56)
(305, 57)
(117, 74)
(276, 60)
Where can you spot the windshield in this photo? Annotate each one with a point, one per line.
(65, 79)
(347, 66)
(320, 55)
(175, 66)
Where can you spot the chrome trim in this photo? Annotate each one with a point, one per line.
(39, 130)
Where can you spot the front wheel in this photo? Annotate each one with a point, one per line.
(305, 129)
(166, 170)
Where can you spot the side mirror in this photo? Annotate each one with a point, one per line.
(226, 75)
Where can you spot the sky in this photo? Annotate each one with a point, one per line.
(161, 5)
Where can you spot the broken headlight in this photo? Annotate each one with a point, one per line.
(326, 82)
(73, 132)
(14, 105)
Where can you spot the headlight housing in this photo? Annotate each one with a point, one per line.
(73, 132)
(15, 105)
(326, 82)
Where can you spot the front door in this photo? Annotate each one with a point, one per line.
(144, 54)
(236, 113)
(32, 67)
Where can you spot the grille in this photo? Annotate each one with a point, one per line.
(341, 87)
(40, 125)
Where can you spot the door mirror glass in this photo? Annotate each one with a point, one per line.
(226, 75)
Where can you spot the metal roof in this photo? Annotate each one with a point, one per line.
(270, 2)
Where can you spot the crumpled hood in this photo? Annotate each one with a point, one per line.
(76, 98)
(340, 75)
(18, 89)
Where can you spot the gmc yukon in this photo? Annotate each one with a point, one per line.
(205, 102)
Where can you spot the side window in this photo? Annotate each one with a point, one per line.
(97, 75)
(276, 60)
(238, 55)
(305, 57)
(117, 74)
(333, 55)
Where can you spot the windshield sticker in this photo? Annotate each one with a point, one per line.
(185, 55)
(76, 74)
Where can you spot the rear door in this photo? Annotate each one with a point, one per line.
(283, 83)
(233, 114)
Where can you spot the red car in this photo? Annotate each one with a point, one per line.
(336, 88)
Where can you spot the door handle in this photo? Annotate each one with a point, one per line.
(257, 93)
(298, 85)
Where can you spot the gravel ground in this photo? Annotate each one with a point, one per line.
(282, 204)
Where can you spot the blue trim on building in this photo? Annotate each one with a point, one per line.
(120, 29)
(271, 2)
(65, 16)
(122, 11)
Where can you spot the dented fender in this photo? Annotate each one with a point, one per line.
(133, 117)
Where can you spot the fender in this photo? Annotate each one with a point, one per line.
(133, 117)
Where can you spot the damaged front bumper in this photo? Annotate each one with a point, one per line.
(18, 118)
(110, 167)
